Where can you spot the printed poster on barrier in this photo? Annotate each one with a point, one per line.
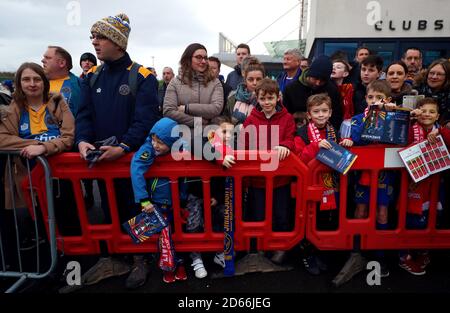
(337, 157)
(424, 159)
(144, 225)
(387, 126)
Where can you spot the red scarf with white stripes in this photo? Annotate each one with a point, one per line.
(419, 132)
(418, 193)
(328, 198)
(314, 133)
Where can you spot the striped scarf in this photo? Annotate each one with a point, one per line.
(329, 180)
(314, 134)
(419, 133)
(418, 193)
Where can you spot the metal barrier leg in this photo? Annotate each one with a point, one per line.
(17, 284)
(22, 275)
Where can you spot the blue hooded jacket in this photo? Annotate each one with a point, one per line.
(144, 158)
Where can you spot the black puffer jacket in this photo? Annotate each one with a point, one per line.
(296, 95)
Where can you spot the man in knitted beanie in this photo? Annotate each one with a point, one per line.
(115, 28)
(119, 98)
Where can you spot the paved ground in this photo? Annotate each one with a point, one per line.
(297, 280)
(289, 287)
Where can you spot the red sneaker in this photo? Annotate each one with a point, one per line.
(180, 273)
(168, 277)
(423, 259)
(411, 266)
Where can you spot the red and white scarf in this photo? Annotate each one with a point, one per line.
(167, 261)
(314, 133)
(328, 180)
(418, 193)
(419, 132)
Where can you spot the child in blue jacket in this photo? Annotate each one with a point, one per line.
(159, 142)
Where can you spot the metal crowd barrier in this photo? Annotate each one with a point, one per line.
(23, 273)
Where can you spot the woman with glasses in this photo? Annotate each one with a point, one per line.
(436, 84)
(195, 92)
(193, 98)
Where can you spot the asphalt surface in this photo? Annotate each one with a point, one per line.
(297, 280)
(285, 288)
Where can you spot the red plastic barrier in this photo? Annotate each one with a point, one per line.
(374, 159)
(69, 166)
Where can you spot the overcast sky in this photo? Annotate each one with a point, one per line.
(159, 28)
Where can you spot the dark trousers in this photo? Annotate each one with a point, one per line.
(66, 212)
(123, 191)
(282, 212)
(125, 204)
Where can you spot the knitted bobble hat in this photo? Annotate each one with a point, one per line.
(115, 28)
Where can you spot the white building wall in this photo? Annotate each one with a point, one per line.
(356, 19)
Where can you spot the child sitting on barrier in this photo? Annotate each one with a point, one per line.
(378, 95)
(268, 117)
(158, 143)
(309, 139)
(419, 193)
(222, 142)
(219, 145)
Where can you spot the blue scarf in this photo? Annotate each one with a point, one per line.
(243, 95)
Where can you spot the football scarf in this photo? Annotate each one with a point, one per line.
(328, 198)
(418, 193)
(167, 260)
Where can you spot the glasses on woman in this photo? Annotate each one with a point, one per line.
(200, 57)
(437, 74)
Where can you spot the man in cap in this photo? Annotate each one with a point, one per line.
(111, 107)
(87, 61)
(312, 81)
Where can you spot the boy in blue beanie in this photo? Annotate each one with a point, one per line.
(159, 142)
